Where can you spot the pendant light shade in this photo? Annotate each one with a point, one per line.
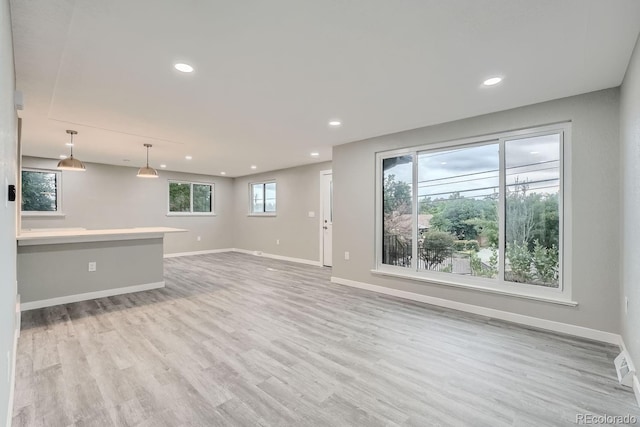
(71, 163)
(147, 171)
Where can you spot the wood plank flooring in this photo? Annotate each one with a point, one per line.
(240, 340)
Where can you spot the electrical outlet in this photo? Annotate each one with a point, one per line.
(312, 214)
(198, 238)
(277, 241)
(93, 266)
(346, 256)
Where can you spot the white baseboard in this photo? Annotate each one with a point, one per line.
(248, 252)
(209, 251)
(32, 305)
(636, 384)
(623, 347)
(550, 325)
(278, 257)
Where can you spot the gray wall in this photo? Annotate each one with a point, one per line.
(595, 201)
(53, 271)
(8, 167)
(108, 196)
(630, 187)
(298, 193)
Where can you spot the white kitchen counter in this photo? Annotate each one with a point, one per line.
(79, 235)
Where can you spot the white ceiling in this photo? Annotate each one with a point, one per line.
(269, 75)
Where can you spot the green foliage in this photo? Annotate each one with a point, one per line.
(201, 198)
(466, 245)
(437, 247)
(538, 266)
(454, 216)
(39, 191)
(396, 196)
(531, 217)
(479, 269)
(545, 262)
(520, 260)
(546, 229)
(179, 197)
(466, 218)
(487, 224)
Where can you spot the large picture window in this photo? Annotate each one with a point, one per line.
(40, 192)
(484, 213)
(190, 198)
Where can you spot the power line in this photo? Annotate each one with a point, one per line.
(492, 188)
(420, 183)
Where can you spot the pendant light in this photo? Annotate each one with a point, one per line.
(71, 163)
(147, 172)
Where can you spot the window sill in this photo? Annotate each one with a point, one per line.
(480, 288)
(262, 214)
(42, 214)
(196, 214)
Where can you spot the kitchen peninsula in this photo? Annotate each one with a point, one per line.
(59, 266)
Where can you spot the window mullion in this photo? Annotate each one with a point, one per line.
(416, 212)
(191, 196)
(501, 210)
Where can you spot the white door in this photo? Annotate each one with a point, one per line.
(326, 187)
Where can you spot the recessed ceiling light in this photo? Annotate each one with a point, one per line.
(534, 152)
(223, 173)
(188, 157)
(443, 163)
(163, 166)
(315, 154)
(185, 68)
(254, 167)
(492, 81)
(335, 123)
(63, 156)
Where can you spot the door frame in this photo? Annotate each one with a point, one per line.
(321, 216)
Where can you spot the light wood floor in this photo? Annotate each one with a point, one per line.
(240, 340)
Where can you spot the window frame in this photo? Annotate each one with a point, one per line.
(561, 294)
(264, 197)
(58, 211)
(190, 212)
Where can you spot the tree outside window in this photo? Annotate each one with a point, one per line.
(190, 198)
(40, 191)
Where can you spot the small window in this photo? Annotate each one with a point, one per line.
(190, 198)
(263, 198)
(41, 192)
